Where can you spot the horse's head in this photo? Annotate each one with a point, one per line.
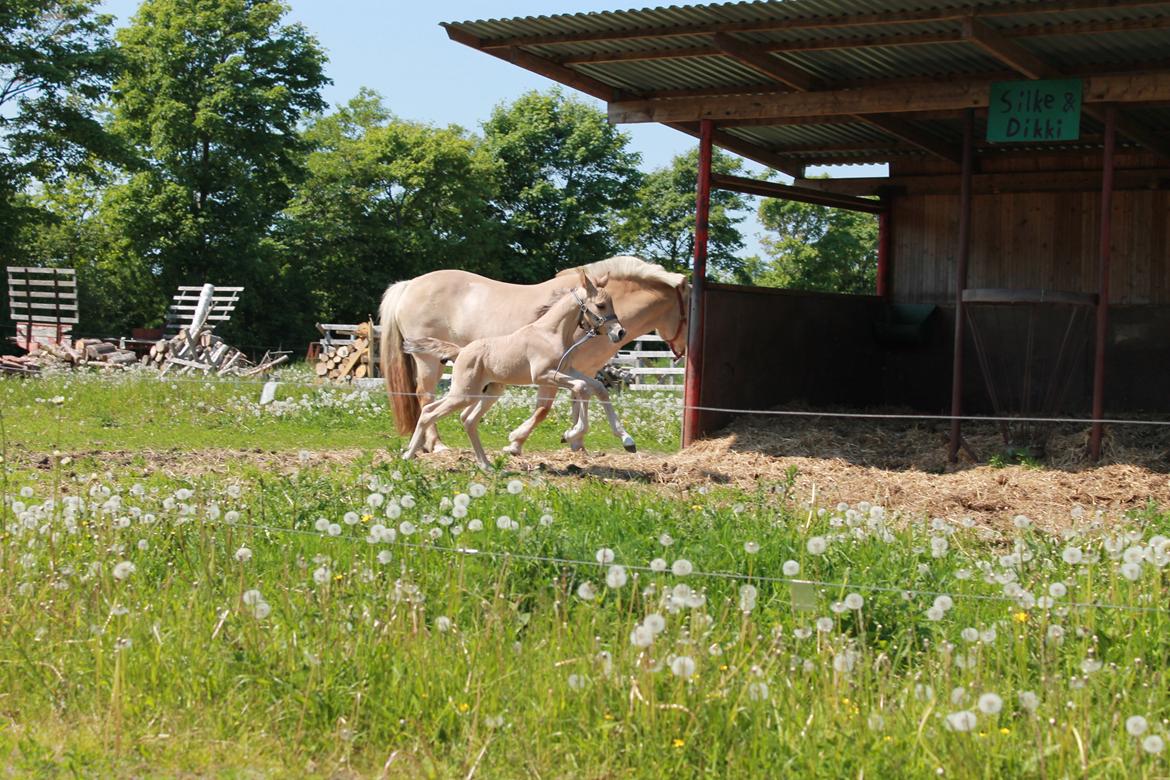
(597, 311)
(672, 323)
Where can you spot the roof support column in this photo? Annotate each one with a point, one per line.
(694, 377)
(1103, 282)
(961, 281)
(883, 254)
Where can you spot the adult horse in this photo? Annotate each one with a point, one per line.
(460, 307)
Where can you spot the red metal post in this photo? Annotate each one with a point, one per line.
(883, 254)
(961, 281)
(1103, 282)
(694, 378)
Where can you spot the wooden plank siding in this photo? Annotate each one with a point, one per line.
(1032, 240)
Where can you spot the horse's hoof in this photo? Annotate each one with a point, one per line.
(512, 449)
(628, 443)
(439, 447)
(408, 455)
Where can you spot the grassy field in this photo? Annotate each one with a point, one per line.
(370, 618)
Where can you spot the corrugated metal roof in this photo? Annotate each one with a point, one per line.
(840, 43)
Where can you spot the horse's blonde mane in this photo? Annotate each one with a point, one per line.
(630, 267)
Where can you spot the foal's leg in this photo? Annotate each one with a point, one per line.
(431, 414)
(595, 388)
(473, 415)
(545, 395)
(428, 371)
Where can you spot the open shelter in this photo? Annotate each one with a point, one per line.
(1028, 146)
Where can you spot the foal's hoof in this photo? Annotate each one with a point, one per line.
(628, 443)
(511, 449)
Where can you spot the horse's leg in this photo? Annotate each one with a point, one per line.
(597, 389)
(579, 389)
(471, 419)
(431, 414)
(428, 372)
(545, 395)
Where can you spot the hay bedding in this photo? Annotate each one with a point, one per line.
(901, 466)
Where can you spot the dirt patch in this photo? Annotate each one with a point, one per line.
(901, 466)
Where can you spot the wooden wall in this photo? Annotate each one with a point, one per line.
(1031, 240)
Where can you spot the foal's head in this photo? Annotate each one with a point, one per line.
(597, 307)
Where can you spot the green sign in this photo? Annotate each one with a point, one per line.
(1031, 111)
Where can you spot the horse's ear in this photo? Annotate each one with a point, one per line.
(602, 280)
(583, 279)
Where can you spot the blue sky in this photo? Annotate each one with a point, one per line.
(398, 49)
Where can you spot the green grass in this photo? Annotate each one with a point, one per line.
(406, 658)
(137, 411)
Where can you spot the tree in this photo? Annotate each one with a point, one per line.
(56, 63)
(818, 248)
(563, 172)
(660, 225)
(116, 289)
(211, 97)
(384, 200)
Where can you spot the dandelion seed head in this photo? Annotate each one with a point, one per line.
(790, 568)
(682, 666)
(1136, 725)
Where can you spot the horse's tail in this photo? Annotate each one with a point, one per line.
(397, 367)
(443, 350)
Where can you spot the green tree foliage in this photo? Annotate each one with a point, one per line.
(385, 200)
(56, 63)
(660, 225)
(563, 172)
(817, 248)
(211, 97)
(116, 288)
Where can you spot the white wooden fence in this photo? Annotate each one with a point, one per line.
(647, 357)
(652, 363)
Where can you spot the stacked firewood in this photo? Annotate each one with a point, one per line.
(82, 352)
(202, 350)
(350, 360)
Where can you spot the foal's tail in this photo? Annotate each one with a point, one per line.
(397, 367)
(443, 350)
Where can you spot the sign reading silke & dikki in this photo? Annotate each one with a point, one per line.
(1030, 111)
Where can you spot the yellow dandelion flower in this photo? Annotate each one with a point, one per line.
(723, 667)
(607, 716)
(1004, 730)
(697, 507)
(337, 577)
(678, 742)
(367, 518)
(464, 706)
(1020, 617)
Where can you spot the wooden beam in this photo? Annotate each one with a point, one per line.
(771, 189)
(987, 183)
(802, 81)
(1096, 27)
(900, 128)
(889, 99)
(879, 18)
(746, 149)
(1011, 53)
(765, 63)
(541, 66)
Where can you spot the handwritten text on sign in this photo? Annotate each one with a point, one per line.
(1030, 111)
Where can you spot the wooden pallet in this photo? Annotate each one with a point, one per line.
(43, 304)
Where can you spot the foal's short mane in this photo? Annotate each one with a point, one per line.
(629, 267)
(552, 299)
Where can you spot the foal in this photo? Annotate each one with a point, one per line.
(538, 353)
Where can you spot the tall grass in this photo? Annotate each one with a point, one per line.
(355, 619)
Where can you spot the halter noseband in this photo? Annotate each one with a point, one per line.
(586, 313)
